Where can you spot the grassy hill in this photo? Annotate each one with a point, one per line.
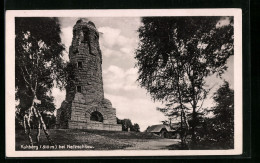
(99, 140)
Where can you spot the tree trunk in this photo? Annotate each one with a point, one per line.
(193, 126)
(184, 129)
(186, 121)
(182, 134)
(38, 126)
(38, 131)
(41, 121)
(27, 126)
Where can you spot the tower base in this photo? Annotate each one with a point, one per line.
(84, 114)
(94, 126)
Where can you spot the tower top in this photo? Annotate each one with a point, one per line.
(85, 23)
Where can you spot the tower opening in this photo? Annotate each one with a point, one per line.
(86, 34)
(96, 116)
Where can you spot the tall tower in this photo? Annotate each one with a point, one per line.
(85, 106)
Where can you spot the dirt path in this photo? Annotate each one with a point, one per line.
(152, 144)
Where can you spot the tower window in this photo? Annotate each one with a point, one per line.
(79, 89)
(80, 65)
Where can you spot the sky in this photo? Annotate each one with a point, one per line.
(118, 41)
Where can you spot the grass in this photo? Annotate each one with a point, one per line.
(123, 134)
(99, 140)
(106, 140)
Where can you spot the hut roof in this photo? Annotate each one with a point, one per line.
(157, 128)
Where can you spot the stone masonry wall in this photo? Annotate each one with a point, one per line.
(86, 55)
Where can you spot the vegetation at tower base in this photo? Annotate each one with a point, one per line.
(174, 57)
(38, 65)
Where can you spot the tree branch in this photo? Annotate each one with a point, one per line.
(201, 104)
(30, 85)
(27, 70)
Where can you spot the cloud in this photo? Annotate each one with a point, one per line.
(66, 38)
(110, 36)
(141, 111)
(59, 96)
(115, 78)
(223, 22)
(114, 44)
(110, 52)
(126, 50)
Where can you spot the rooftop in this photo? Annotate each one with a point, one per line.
(157, 128)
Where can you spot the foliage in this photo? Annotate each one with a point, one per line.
(222, 125)
(127, 124)
(38, 68)
(217, 132)
(18, 121)
(49, 119)
(38, 61)
(174, 57)
(136, 127)
(224, 99)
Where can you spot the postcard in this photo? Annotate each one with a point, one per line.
(135, 82)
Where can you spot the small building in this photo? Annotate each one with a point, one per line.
(165, 131)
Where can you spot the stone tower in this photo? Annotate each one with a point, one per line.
(85, 106)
